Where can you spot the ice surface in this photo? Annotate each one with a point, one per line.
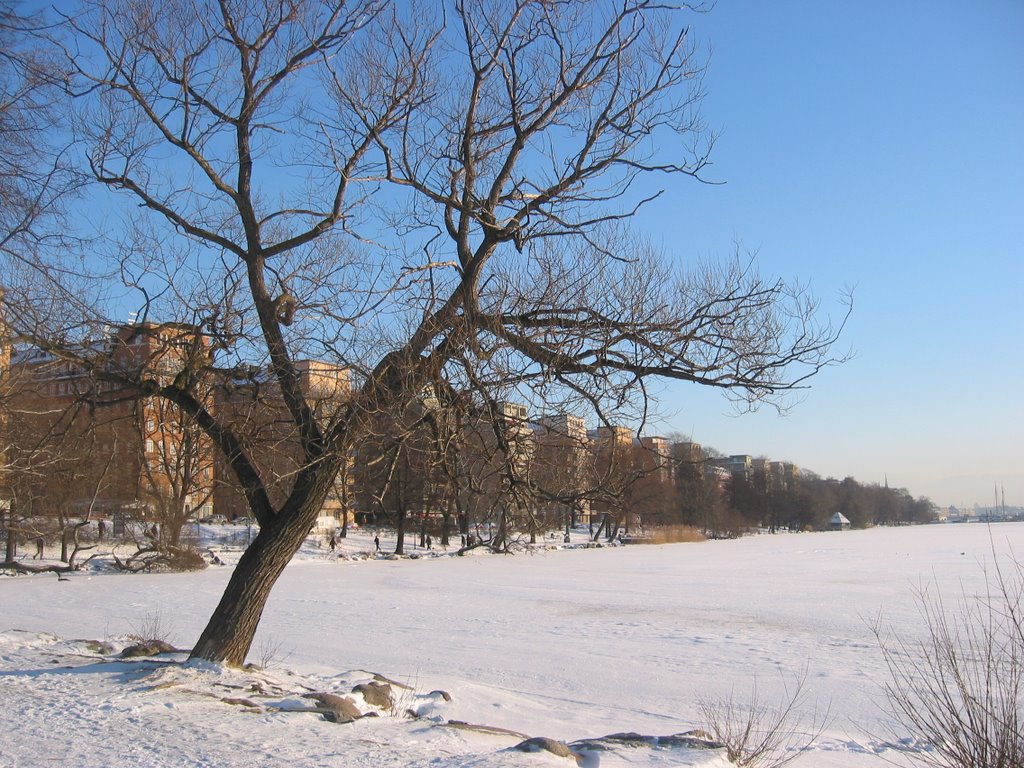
(569, 644)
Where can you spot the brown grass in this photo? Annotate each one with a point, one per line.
(672, 534)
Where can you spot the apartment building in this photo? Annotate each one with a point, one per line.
(656, 458)
(738, 465)
(563, 468)
(84, 440)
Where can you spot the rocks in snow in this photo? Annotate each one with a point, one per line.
(334, 708)
(544, 744)
(376, 694)
(687, 740)
(148, 648)
(240, 702)
(102, 647)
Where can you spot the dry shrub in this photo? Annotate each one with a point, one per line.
(672, 534)
(185, 559)
(154, 558)
(761, 733)
(960, 690)
(152, 627)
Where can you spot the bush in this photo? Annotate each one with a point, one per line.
(151, 628)
(155, 558)
(958, 691)
(762, 734)
(671, 534)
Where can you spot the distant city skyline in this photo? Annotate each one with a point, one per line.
(874, 146)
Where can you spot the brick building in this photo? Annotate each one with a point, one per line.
(84, 441)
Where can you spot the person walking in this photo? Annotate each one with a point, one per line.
(376, 542)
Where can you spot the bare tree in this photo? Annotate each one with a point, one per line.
(428, 197)
(54, 474)
(177, 473)
(31, 181)
(400, 477)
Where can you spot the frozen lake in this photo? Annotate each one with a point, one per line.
(577, 643)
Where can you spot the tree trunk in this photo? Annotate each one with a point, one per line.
(498, 543)
(12, 537)
(400, 533)
(173, 533)
(446, 521)
(231, 628)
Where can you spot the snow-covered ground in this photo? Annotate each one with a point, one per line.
(570, 644)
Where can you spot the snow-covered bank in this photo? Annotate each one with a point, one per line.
(568, 644)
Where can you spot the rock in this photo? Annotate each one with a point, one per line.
(443, 694)
(336, 709)
(491, 729)
(241, 703)
(695, 739)
(544, 744)
(147, 648)
(634, 739)
(331, 716)
(376, 694)
(688, 740)
(101, 647)
(697, 733)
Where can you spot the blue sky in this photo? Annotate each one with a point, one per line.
(880, 146)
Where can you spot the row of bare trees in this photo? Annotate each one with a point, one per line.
(798, 501)
(500, 479)
(72, 462)
(429, 195)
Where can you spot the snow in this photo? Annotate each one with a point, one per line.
(566, 643)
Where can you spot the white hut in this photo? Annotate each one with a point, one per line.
(839, 522)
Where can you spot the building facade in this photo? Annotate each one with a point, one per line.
(85, 441)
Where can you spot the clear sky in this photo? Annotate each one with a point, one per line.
(876, 145)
